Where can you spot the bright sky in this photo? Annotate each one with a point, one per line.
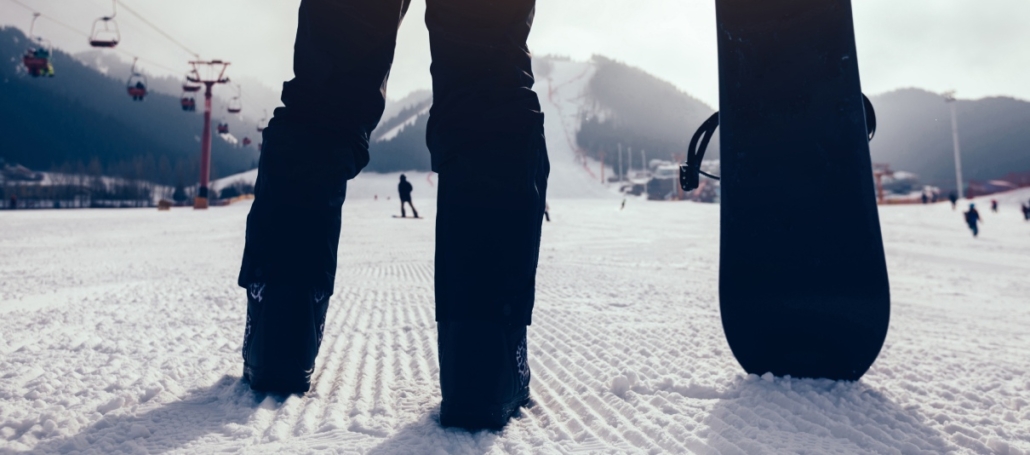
(980, 48)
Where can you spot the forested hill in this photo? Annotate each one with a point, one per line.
(626, 105)
(914, 134)
(82, 116)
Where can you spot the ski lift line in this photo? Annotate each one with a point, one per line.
(51, 19)
(84, 34)
(158, 30)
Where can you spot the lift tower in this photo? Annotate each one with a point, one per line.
(213, 73)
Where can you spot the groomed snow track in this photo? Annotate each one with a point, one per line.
(122, 328)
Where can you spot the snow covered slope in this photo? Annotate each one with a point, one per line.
(121, 332)
(561, 93)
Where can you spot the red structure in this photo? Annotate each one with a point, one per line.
(215, 74)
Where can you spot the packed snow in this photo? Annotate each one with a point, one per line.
(122, 329)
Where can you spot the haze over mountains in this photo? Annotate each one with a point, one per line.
(627, 106)
(914, 134)
(83, 115)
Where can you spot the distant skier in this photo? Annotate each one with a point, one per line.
(547, 212)
(972, 218)
(953, 197)
(926, 198)
(404, 188)
(1026, 212)
(994, 205)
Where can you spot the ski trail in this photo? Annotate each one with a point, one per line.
(626, 349)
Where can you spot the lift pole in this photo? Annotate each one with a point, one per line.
(213, 67)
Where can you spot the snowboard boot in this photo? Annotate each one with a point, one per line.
(283, 334)
(484, 373)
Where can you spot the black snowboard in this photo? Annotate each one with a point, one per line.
(408, 217)
(803, 282)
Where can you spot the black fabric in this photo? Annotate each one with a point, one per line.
(404, 189)
(284, 331)
(484, 373)
(485, 134)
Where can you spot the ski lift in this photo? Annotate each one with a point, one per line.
(188, 102)
(105, 32)
(235, 104)
(37, 57)
(223, 128)
(263, 123)
(246, 141)
(192, 83)
(137, 84)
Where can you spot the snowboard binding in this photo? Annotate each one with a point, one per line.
(690, 172)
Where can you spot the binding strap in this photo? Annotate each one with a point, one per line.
(690, 172)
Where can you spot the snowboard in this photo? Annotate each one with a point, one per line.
(803, 284)
(407, 217)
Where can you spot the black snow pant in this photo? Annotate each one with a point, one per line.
(485, 136)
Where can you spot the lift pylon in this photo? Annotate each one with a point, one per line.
(208, 73)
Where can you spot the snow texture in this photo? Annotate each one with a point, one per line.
(122, 329)
(120, 332)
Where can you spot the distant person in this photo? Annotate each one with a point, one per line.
(1026, 211)
(14, 202)
(926, 198)
(994, 205)
(935, 196)
(547, 212)
(953, 197)
(404, 188)
(972, 218)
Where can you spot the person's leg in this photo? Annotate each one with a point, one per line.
(311, 147)
(413, 211)
(403, 214)
(486, 138)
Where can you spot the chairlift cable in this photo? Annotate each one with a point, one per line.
(80, 32)
(162, 32)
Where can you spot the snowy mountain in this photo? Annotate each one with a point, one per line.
(611, 105)
(914, 134)
(401, 145)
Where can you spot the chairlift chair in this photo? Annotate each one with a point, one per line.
(246, 141)
(137, 84)
(223, 128)
(37, 57)
(263, 123)
(235, 107)
(105, 32)
(235, 104)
